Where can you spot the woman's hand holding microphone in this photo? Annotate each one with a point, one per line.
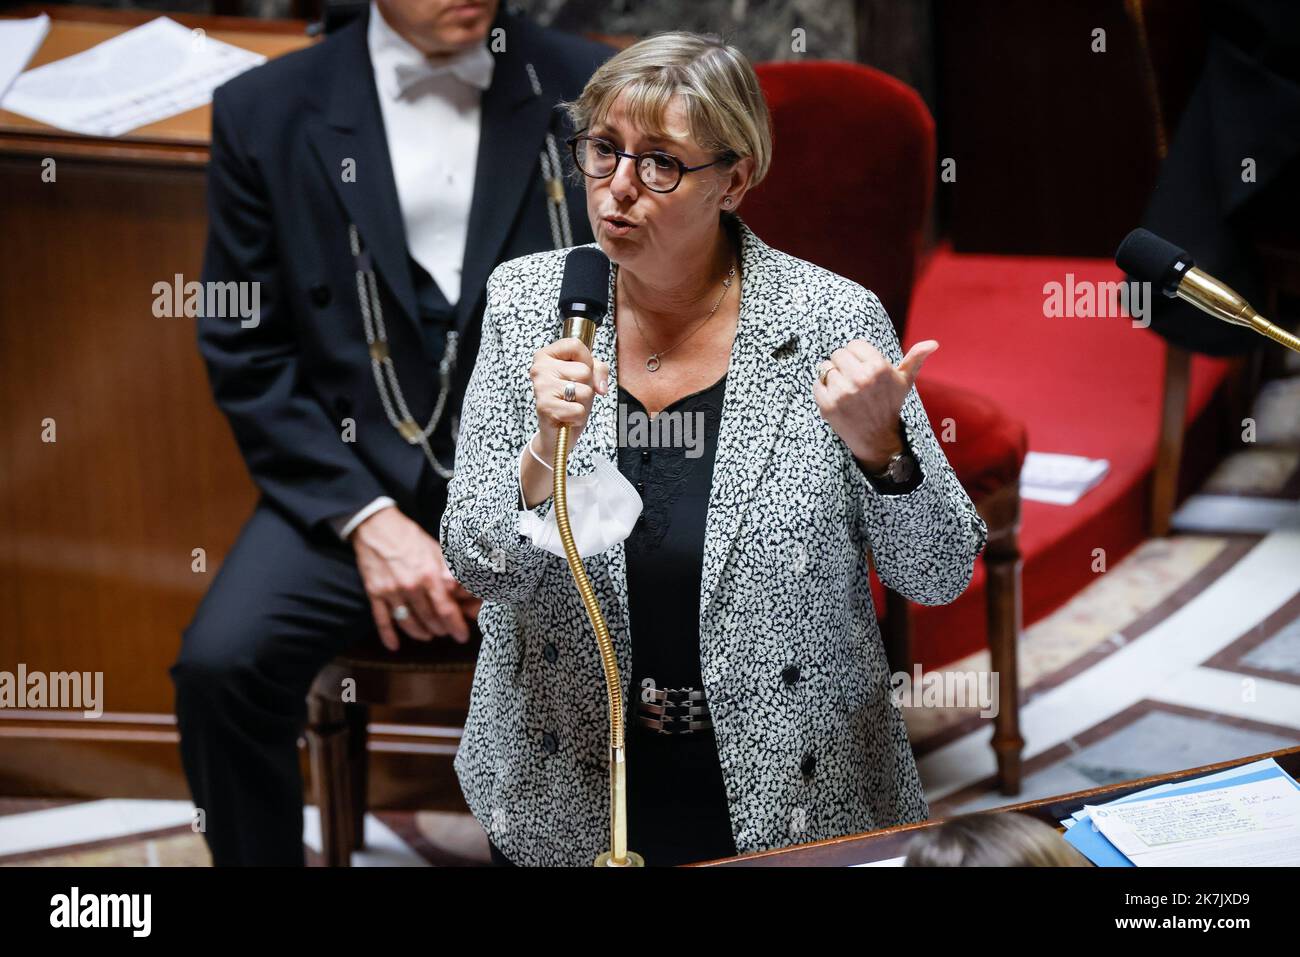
(566, 378)
(407, 580)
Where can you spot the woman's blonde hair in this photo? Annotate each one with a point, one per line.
(1000, 839)
(725, 109)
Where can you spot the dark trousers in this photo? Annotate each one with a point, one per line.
(282, 605)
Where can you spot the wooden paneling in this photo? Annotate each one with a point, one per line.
(99, 525)
(1055, 145)
(97, 528)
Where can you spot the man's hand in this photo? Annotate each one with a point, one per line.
(402, 566)
(863, 395)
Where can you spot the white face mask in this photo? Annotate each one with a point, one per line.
(603, 509)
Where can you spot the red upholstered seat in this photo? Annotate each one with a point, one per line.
(984, 445)
(1089, 387)
(853, 203)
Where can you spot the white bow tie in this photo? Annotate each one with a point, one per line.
(473, 67)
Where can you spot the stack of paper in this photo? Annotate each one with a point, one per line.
(138, 77)
(1245, 816)
(19, 41)
(1059, 479)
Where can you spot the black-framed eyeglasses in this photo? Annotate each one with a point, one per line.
(658, 171)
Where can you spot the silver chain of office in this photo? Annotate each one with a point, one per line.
(372, 317)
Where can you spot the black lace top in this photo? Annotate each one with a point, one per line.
(677, 802)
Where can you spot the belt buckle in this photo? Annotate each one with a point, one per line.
(673, 710)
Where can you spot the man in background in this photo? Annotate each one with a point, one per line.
(369, 184)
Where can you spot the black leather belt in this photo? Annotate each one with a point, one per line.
(672, 710)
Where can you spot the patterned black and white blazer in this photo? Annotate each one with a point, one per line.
(785, 581)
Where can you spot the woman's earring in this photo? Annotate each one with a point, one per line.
(726, 201)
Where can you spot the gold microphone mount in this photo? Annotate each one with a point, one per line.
(1149, 258)
(581, 320)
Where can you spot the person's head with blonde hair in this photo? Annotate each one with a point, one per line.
(997, 839)
(689, 108)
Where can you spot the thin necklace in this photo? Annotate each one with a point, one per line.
(652, 363)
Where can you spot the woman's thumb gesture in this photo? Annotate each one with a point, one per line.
(911, 363)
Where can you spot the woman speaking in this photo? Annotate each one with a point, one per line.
(756, 687)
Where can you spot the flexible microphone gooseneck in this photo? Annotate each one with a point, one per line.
(584, 301)
(1148, 258)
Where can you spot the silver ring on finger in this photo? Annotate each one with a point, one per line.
(401, 613)
(570, 392)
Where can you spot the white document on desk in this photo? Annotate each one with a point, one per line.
(1244, 825)
(887, 862)
(19, 41)
(155, 71)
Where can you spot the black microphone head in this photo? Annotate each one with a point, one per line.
(585, 289)
(1148, 258)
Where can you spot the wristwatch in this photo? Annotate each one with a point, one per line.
(901, 467)
(901, 474)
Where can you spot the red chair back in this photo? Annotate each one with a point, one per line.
(852, 175)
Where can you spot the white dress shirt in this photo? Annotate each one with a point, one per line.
(431, 121)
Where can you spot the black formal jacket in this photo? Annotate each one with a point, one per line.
(279, 209)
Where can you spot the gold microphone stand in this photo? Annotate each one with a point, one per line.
(1205, 292)
(584, 330)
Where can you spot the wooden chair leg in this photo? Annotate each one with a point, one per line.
(358, 717)
(1169, 454)
(1237, 402)
(327, 738)
(1002, 564)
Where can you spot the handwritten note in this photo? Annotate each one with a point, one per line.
(1255, 823)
